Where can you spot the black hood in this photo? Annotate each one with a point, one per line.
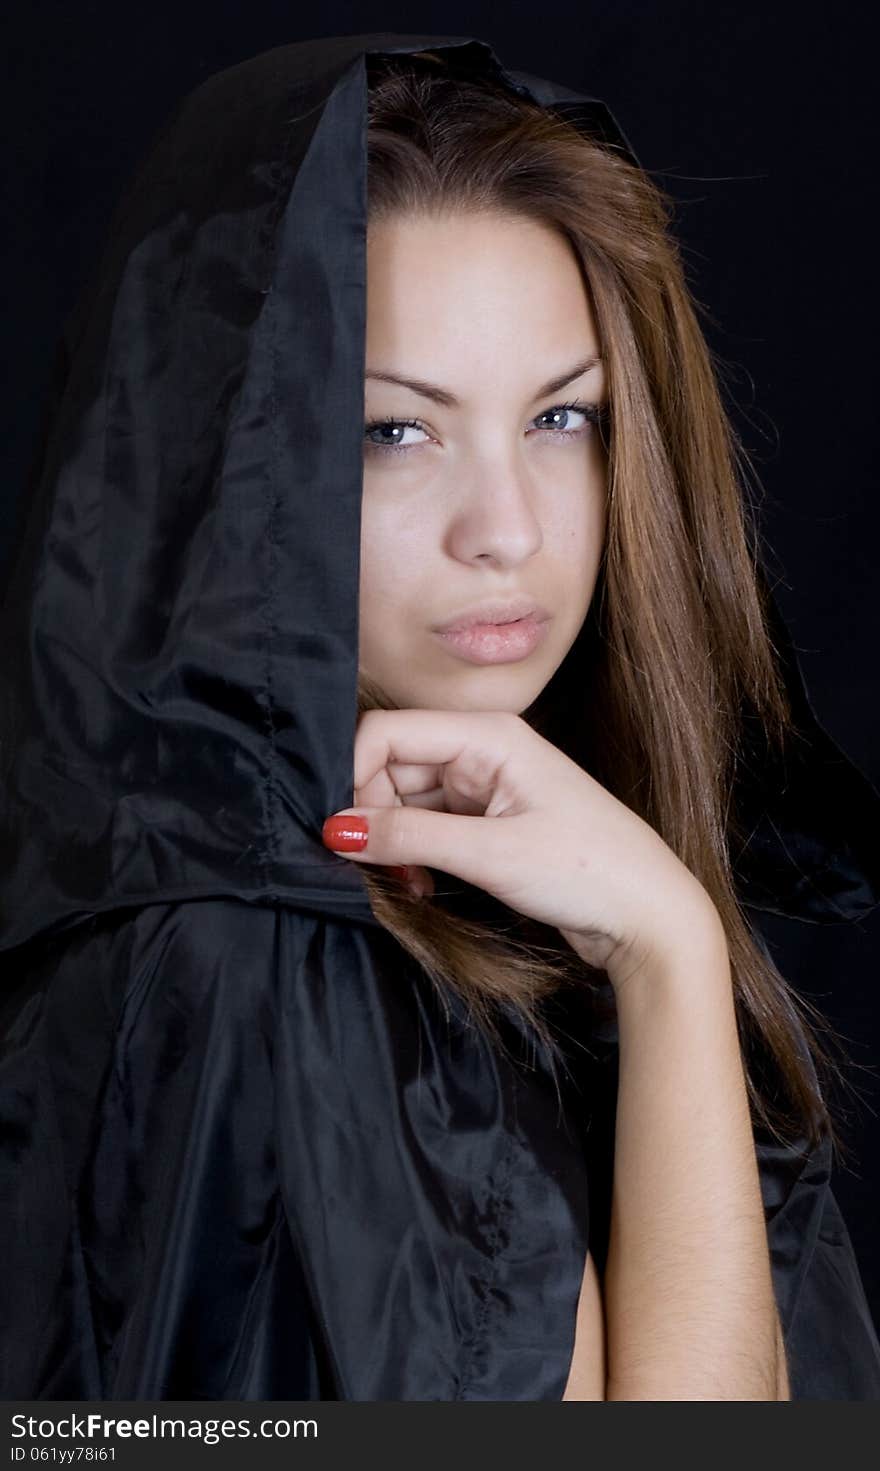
(180, 633)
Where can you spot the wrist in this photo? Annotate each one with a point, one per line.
(680, 957)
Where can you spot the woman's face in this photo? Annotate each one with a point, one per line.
(484, 501)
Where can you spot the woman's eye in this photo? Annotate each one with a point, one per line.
(392, 432)
(561, 417)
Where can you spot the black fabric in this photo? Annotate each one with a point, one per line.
(243, 1152)
(248, 1158)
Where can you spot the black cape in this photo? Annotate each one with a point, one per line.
(245, 1154)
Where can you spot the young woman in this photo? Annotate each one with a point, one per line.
(512, 1103)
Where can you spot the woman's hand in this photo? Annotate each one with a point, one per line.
(482, 796)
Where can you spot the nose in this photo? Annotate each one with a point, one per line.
(494, 516)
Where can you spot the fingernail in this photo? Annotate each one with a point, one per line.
(400, 871)
(345, 834)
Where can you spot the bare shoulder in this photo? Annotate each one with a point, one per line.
(586, 1379)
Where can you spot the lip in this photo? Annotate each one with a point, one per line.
(501, 611)
(496, 643)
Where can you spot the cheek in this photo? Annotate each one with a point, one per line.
(594, 503)
(393, 562)
(575, 522)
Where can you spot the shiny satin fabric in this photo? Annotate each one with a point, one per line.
(243, 1152)
(246, 1156)
(253, 1160)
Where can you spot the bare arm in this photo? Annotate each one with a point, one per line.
(587, 1374)
(586, 1379)
(689, 1310)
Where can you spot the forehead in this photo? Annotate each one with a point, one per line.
(477, 290)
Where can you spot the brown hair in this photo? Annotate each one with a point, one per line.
(677, 571)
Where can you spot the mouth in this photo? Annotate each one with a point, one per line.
(496, 643)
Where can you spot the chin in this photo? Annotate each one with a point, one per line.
(513, 695)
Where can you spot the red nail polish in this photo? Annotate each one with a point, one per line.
(345, 834)
(400, 871)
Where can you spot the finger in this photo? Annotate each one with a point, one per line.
(402, 783)
(378, 792)
(418, 880)
(410, 778)
(431, 737)
(422, 880)
(433, 800)
(476, 849)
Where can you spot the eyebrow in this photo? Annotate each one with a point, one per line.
(449, 400)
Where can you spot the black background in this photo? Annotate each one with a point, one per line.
(760, 121)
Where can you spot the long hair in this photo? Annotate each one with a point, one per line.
(676, 643)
